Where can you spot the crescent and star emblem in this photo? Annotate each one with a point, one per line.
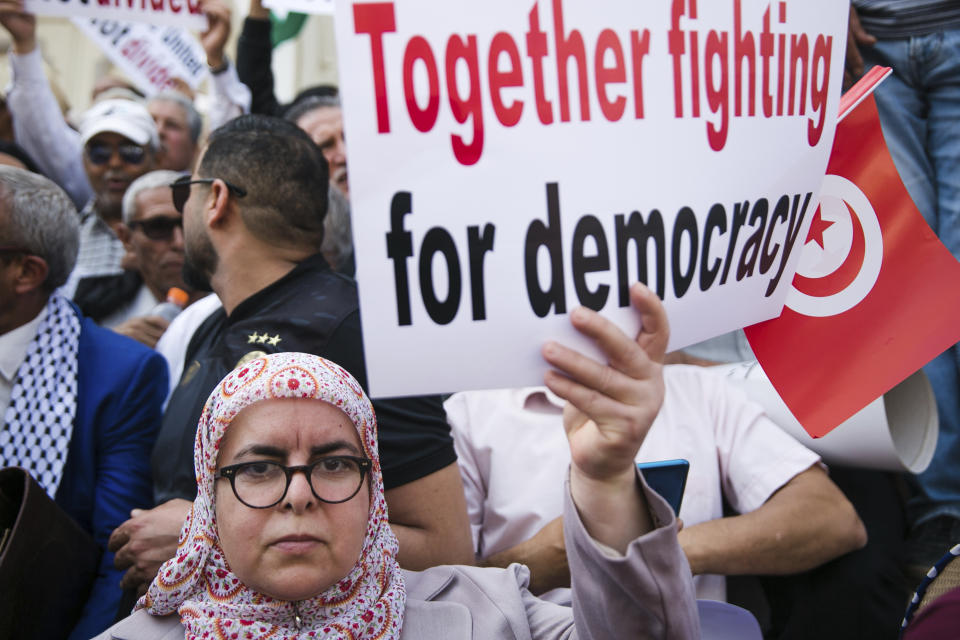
(843, 254)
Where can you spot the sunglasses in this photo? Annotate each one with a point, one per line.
(99, 153)
(158, 228)
(181, 189)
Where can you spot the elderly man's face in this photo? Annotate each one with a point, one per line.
(155, 237)
(112, 162)
(325, 126)
(174, 130)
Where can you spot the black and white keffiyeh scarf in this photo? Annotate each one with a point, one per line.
(38, 422)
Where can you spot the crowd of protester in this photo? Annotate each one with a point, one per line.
(246, 210)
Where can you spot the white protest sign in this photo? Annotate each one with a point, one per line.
(176, 13)
(322, 7)
(149, 55)
(682, 143)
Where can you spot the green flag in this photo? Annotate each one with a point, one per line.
(287, 28)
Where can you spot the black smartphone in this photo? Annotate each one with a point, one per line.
(668, 478)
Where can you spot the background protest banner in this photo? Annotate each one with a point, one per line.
(509, 161)
(149, 55)
(176, 13)
(325, 7)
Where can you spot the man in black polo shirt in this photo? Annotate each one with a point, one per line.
(253, 223)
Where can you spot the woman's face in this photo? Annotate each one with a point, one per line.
(301, 546)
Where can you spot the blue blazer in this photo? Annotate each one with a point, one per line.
(121, 386)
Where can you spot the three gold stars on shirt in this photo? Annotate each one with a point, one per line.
(263, 338)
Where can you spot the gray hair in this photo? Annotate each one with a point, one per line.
(337, 245)
(194, 119)
(311, 103)
(152, 180)
(43, 221)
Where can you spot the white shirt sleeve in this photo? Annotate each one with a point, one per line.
(229, 97)
(39, 127)
(756, 456)
(472, 468)
(175, 340)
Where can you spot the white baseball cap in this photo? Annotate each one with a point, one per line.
(126, 117)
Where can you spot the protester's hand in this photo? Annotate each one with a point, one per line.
(180, 85)
(144, 329)
(611, 406)
(214, 39)
(856, 38)
(258, 11)
(21, 25)
(147, 540)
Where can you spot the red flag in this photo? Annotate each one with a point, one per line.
(876, 295)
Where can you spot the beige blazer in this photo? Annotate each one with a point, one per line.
(648, 593)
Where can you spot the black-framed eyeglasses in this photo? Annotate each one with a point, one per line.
(99, 153)
(158, 228)
(181, 189)
(263, 484)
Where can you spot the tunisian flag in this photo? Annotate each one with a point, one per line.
(876, 295)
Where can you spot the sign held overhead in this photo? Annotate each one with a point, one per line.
(510, 162)
(186, 14)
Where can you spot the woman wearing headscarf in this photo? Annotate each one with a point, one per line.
(289, 538)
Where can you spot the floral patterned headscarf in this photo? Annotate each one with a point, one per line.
(198, 583)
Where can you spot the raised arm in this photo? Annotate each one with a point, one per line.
(230, 97)
(630, 578)
(38, 124)
(610, 408)
(544, 553)
(254, 55)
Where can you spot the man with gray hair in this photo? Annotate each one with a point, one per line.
(179, 125)
(321, 118)
(81, 405)
(152, 234)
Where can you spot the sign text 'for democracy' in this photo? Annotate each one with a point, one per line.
(692, 255)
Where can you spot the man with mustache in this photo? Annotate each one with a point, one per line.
(119, 145)
(152, 233)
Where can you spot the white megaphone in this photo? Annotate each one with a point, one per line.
(895, 432)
